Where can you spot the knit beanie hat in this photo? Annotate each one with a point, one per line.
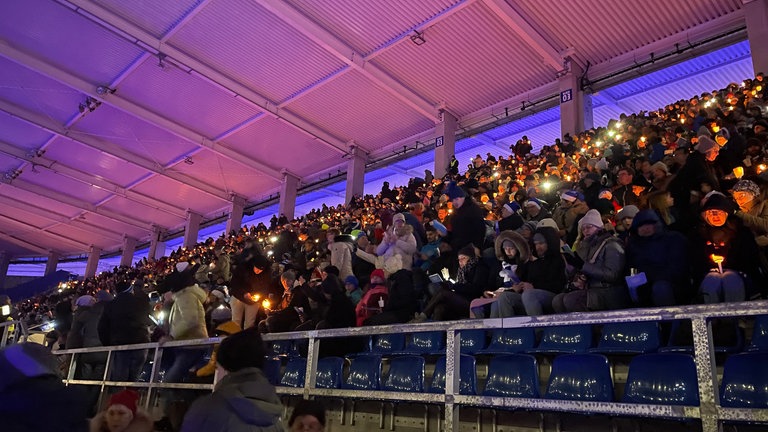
(547, 222)
(352, 280)
(454, 191)
(747, 186)
(512, 207)
(85, 300)
(127, 398)
(23, 361)
(592, 218)
(706, 145)
(378, 273)
(629, 211)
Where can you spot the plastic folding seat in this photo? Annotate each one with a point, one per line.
(472, 341)
(406, 374)
(565, 340)
(330, 372)
(662, 379)
(467, 376)
(271, 369)
(759, 340)
(745, 381)
(431, 343)
(585, 377)
(629, 338)
(388, 343)
(728, 337)
(364, 373)
(513, 375)
(510, 341)
(284, 348)
(295, 372)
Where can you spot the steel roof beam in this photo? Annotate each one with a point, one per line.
(25, 244)
(148, 42)
(339, 49)
(89, 89)
(28, 227)
(89, 179)
(109, 148)
(526, 32)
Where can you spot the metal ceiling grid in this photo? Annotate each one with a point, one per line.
(471, 43)
(63, 185)
(177, 194)
(49, 30)
(254, 47)
(28, 89)
(20, 133)
(156, 17)
(133, 134)
(604, 29)
(185, 98)
(369, 24)
(283, 146)
(339, 105)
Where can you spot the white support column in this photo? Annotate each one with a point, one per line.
(575, 104)
(93, 262)
(52, 263)
(129, 248)
(355, 172)
(756, 16)
(157, 243)
(5, 261)
(191, 229)
(445, 142)
(235, 220)
(288, 190)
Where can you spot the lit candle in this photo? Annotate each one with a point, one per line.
(738, 172)
(760, 168)
(718, 259)
(265, 304)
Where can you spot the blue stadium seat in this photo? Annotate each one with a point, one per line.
(510, 341)
(364, 373)
(388, 343)
(629, 338)
(745, 381)
(565, 340)
(759, 340)
(330, 373)
(295, 372)
(663, 379)
(284, 348)
(467, 376)
(513, 375)
(271, 369)
(406, 374)
(585, 377)
(723, 330)
(431, 343)
(472, 341)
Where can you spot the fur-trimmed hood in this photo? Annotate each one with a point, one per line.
(520, 243)
(141, 423)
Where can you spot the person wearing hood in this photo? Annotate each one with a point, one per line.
(540, 279)
(122, 415)
(662, 256)
(512, 251)
(725, 258)
(243, 399)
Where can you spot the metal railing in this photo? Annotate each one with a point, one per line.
(12, 331)
(709, 411)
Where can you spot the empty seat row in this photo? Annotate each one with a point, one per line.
(659, 378)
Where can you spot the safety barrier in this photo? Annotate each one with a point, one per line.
(709, 411)
(12, 331)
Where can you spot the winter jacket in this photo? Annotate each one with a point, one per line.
(85, 332)
(404, 247)
(546, 272)
(187, 317)
(245, 282)
(43, 404)
(243, 401)
(467, 226)
(341, 257)
(141, 422)
(756, 219)
(368, 304)
(125, 320)
(605, 276)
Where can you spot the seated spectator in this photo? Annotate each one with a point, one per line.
(510, 217)
(374, 298)
(540, 279)
(352, 289)
(395, 252)
(534, 211)
(752, 210)
(725, 259)
(122, 415)
(243, 399)
(401, 302)
(662, 256)
(624, 218)
(600, 259)
(623, 194)
(511, 251)
(341, 311)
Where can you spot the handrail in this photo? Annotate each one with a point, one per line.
(10, 331)
(709, 411)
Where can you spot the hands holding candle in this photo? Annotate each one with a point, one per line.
(718, 259)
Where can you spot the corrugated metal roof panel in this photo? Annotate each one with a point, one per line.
(156, 17)
(65, 185)
(368, 24)
(68, 40)
(28, 89)
(185, 99)
(256, 48)
(141, 212)
(470, 60)
(353, 107)
(21, 134)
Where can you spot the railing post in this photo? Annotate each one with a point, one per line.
(452, 379)
(703, 348)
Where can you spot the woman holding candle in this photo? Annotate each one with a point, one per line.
(725, 260)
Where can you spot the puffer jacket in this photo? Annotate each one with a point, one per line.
(243, 401)
(187, 316)
(405, 247)
(341, 257)
(604, 268)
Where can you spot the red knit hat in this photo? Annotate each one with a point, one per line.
(378, 273)
(128, 398)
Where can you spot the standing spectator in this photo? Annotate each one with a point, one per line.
(125, 321)
(467, 224)
(340, 248)
(243, 400)
(251, 281)
(623, 194)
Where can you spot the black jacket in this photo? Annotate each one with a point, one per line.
(467, 226)
(125, 320)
